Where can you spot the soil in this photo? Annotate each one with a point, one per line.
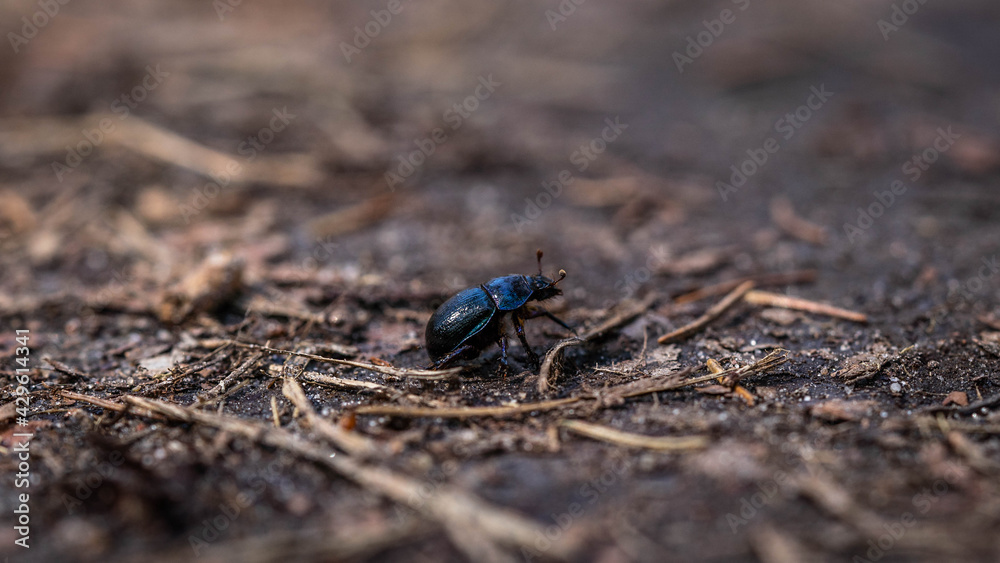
(181, 181)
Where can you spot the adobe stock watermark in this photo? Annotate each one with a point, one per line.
(582, 158)
(213, 528)
(627, 286)
(697, 43)
(752, 504)
(913, 168)
(120, 279)
(322, 251)
(30, 26)
(87, 484)
(563, 11)
(436, 478)
(225, 7)
(898, 16)
(590, 492)
(975, 284)
(121, 106)
(454, 117)
(249, 148)
(894, 531)
(787, 127)
(364, 34)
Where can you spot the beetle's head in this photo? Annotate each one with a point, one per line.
(543, 287)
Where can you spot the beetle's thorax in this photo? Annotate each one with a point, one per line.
(513, 291)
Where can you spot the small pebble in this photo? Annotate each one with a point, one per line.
(895, 388)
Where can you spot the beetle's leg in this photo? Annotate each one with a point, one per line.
(451, 356)
(503, 352)
(519, 328)
(533, 312)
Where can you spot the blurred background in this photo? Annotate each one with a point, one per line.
(191, 87)
(399, 151)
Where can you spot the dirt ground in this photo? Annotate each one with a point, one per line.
(224, 225)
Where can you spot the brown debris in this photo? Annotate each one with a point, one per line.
(610, 396)
(378, 368)
(352, 218)
(740, 391)
(976, 153)
(156, 206)
(612, 436)
(213, 284)
(989, 341)
(784, 216)
(839, 410)
(351, 442)
(834, 499)
(713, 313)
(773, 545)
(462, 514)
(758, 297)
(956, 398)
(16, 215)
(629, 312)
(153, 141)
(763, 280)
(466, 412)
(697, 262)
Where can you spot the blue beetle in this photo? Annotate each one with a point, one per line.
(473, 319)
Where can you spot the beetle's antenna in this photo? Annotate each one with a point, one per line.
(538, 253)
(562, 276)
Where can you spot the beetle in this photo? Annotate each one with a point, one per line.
(473, 319)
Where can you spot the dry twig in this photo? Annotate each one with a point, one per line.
(324, 379)
(467, 412)
(762, 280)
(475, 526)
(784, 216)
(786, 302)
(714, 367)
(384, 370)
(245, 368)
(713, 313)
(615, 321)
(351, 442)
(610, 435)
(611, 395)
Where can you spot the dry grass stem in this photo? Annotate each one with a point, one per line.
(612, 436)
(615, 321)
(769, 299)
(713, 313)
(763, 280)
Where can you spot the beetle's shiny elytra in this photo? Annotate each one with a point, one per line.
(473, 319)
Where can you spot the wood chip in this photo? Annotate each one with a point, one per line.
(214, 283)
(839, 410)
(959, 398)
(16, 215)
